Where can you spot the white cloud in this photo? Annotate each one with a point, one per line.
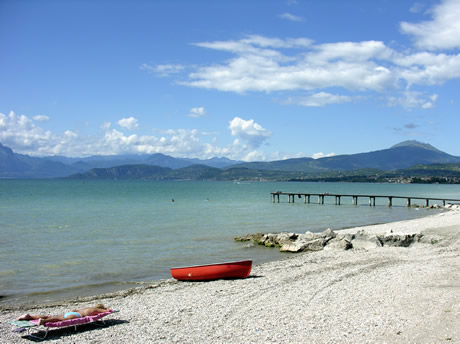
(129, 123)
(322, 155)
(291, 17)
(249, 131)
(320, 99)
(70, 134)
(428, 69)
(41, 118)
(271, 64)
(106, 125)
(412, 99)
(442, 32)
(22, 135)
(20, 131)
(354, 66)
(162, 70)
(197, 112)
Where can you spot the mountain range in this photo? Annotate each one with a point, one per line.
(404, 155)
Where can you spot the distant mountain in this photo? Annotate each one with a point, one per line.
(296, 164)
(192, 172)
(162, 160)
(10, 163)
(414, 143)
(437, 173)
(14, 165)
(125, 172)
(400, 156)
(214, 162)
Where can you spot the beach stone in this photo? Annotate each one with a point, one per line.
(270, 240)
(257, 237)
(301, 245)
(329, 233)
(340, 244)
(364, 241)
(292, 246)
(314, 245)
(308, 236)
(430, 239)
(284, 238)
(399, 240)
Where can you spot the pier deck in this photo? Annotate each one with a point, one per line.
(354, 197)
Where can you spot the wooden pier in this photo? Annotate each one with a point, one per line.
(354, 198)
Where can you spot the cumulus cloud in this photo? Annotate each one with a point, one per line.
(129, 123)
(291, 17)
(20, 131)
(320, 99)
(427, 68)
(441, 32)
(71, 134)
(22, 135)
(412, 99)
(249, 131)
(41, 118)
(270, 64)
(197, 112)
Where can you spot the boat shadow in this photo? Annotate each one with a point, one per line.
(255, 276)
(222, 279)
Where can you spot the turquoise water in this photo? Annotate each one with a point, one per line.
(67, 238)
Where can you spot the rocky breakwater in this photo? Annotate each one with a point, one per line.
(330, 240)
(358, 239)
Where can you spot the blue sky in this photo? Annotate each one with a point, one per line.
(249, 80)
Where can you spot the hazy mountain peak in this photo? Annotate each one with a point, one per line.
(415, 143)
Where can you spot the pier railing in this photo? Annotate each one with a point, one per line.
(354, 197)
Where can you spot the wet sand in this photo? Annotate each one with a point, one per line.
(379, 295)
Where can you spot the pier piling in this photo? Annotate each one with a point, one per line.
(372, 198)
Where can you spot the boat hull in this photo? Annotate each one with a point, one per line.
(230, 270)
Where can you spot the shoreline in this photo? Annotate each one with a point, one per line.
(111, 289)
(379, 295)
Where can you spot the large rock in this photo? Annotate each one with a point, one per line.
(251, 237)
(340, 244)
(302, 245)
(292, 242)
(329, 233)
(284, 238)
(400, 240)
(363, 241)
(269, 240)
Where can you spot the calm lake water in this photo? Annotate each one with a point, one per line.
(67, 238)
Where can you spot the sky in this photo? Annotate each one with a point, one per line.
(249, 80)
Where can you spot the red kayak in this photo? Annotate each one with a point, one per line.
(209, 272)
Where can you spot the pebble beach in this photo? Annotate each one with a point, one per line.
(379, 295)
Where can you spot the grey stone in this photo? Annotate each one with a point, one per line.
(339, 244)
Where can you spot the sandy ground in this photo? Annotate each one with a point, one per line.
(381, 295)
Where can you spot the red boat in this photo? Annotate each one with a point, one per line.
(209, 272)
